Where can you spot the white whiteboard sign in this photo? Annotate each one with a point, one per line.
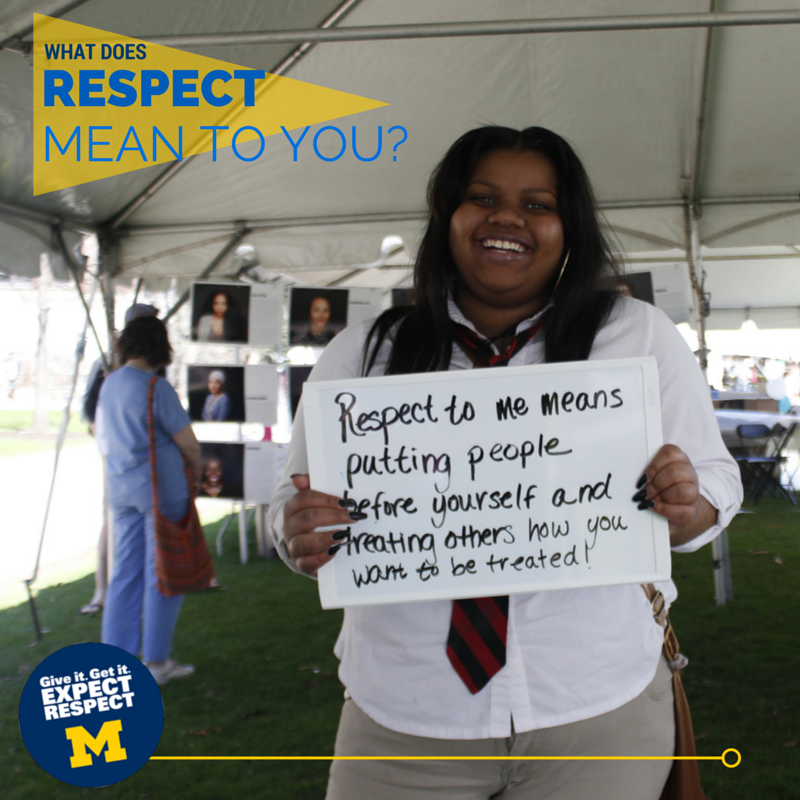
(489, 482)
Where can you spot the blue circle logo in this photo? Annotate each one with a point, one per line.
(91, 715)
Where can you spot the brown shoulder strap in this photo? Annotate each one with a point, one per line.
(671, 646)
(151, 430)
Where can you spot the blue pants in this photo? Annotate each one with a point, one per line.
(132, 594)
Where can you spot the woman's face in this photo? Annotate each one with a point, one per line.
(506, 237)
(213, 472)
(220, 305)
(319, 313)
(214, 385)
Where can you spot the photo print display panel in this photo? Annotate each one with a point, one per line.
(476, 488)
(216, 393)
(403, 296)
(229, 393)
(316, 315)
(220, 312)
(297, 377)
(638, 285)
(666, 287)
(222, 470)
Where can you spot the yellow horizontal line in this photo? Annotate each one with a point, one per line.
(436, 758)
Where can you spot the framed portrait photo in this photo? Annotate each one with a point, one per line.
(220, 313)
(316, 315)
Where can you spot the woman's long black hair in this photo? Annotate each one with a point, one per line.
(422, 341)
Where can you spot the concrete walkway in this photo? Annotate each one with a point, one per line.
(75, 513)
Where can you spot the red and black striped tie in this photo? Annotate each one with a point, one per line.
(476, 642)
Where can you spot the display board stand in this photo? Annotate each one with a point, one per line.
(723, 582)
(264, 546)
(244, 519)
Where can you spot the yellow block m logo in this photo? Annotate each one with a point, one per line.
(108, 735)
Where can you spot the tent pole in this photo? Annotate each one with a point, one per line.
(14, 41)
(288, 222)
(217, 260)
(415, 216)
(107, 260)
(65, 254)
(371, 33)
(702, 90)
(80, 349)
(697, 276)
(16, 210)
(691, 184)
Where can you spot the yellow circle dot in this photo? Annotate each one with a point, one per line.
(736, 753)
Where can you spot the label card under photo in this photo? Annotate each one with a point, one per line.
(266, 315)
(481, 483)
(363, 304)
(263, 465)
(261, 393)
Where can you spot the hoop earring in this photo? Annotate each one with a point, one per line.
(560, 274)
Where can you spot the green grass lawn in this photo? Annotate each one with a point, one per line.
(265, 685)
(743, 682)
(22, 421)
(266, 676)
(16, 439)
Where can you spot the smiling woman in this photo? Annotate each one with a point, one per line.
(508, 273)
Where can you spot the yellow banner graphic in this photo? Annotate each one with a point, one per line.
(105, 104)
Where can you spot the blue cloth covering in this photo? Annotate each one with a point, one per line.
(122, 438)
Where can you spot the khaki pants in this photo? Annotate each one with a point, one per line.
(643, 727)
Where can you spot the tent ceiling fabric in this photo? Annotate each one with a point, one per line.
(627, 100)
(286, 250)
(101, 200)
(23, 242)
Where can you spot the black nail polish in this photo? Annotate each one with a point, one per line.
(296, 475)
(357, 516)
(334, 550)
(645, 505)
(642, 481)
(337, 535)
(346, 502)
(639, 496)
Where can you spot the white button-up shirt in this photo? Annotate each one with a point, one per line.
(571, 654)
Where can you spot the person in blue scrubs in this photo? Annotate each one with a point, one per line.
(137, 617)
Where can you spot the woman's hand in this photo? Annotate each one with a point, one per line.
(307, 511)
(671, 489)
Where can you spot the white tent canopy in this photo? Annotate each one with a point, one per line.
(686, 121)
